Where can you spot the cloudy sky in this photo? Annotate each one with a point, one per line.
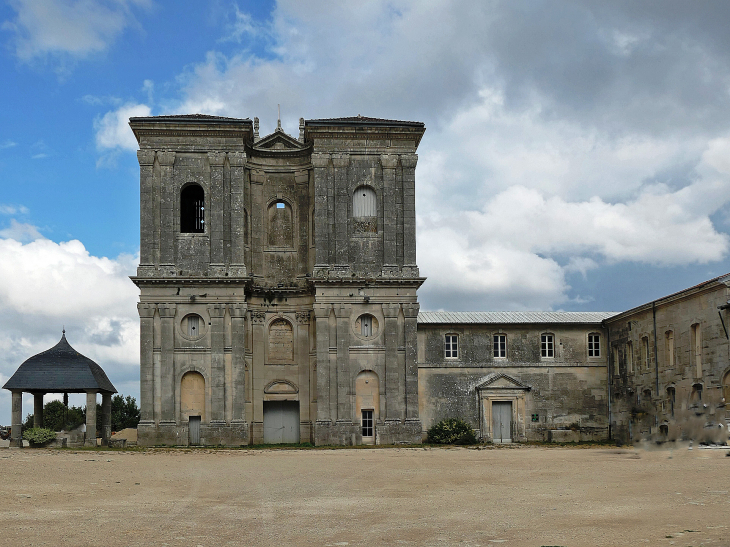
(577, 154)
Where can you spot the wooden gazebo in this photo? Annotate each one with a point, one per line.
(60, 369)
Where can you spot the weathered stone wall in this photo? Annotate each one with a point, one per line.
(565, 394)
(658, 390)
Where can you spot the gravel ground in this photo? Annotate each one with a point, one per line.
(516, 496)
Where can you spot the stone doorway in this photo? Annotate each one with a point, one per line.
(281, 422)
(502, 421)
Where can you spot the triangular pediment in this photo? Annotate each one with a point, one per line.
(499, 380)
(278, 140)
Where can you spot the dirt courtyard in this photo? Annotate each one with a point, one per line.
(529, 496)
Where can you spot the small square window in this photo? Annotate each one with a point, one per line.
(451, 346)
(547, 347)
(594, 345)
(500, 345)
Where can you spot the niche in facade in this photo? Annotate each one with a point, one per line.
(192, 210)
(193, 326)
(280, 225)
(366, 326)
(365, 210)
(281, 342)
(192, 395)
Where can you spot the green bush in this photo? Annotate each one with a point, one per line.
(39, 435)
(451, 431)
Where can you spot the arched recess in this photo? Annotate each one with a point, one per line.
(192, 210)
(364, 202)
(367, 403)
(726, 389)
(192, 395)
(281, 342)
(281, 228)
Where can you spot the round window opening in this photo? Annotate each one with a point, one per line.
(193, 325)
(366, 325)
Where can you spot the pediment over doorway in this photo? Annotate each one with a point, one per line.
(499, 380)
(281, 387)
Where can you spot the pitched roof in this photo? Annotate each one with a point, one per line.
(512, 317)
(60, 369)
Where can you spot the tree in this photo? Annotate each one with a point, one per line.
(57, 417)
(125, 413)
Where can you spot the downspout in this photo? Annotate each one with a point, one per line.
(611, 364)
(656, 361)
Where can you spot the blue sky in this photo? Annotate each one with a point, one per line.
(577, 155)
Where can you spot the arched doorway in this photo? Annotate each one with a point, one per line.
(192, 403)
(367, 403)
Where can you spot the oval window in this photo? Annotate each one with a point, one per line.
(366, 325)
(193, 326)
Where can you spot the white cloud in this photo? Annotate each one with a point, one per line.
(7, 209)
(113, 131)
(47, 286)
(8, 144)
(20, 231)
(73, 27)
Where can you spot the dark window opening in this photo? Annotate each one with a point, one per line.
(192, 210)
(367, 423)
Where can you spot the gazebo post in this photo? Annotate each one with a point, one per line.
(106, 418)
(90, 418)
(16, 423)
(38, 409)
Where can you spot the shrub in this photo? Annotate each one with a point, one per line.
(39, 435)
(451, 431)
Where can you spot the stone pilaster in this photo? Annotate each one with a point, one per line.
(322, 328)
(148, 200)
(169, 221)
(217, 363)
(408, 163)
(322, 205)
(390, 212)
(393, 407)
(168, 378)
(343, 312)
(410, 311)
(90, 419)
(214, 213)
(16, 420)
(237, 161)
(343, 205)
(238, 362)
(146, 362)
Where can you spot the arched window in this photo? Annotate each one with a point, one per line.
(364, 202)
(192, 210)
(280, 224)
(672, 398)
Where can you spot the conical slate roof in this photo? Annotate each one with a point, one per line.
(60, 369)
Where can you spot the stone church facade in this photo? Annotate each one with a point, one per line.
(278, 304)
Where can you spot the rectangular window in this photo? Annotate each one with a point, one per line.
(500, 345)
(366, 325)
(594, 345)
(630, 357)
(547, 348)
(367, 423)
(669, 348)
(696, 334)
(645, 351)
(451, 346)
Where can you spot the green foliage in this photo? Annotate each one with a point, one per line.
(451, 431)
(39, 435)
(57, 417)
(125, 412)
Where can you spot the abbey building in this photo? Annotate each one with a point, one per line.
(278, 302)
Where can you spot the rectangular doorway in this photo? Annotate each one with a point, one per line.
(368, 429)
(194, 430)
(281, 422)
(502, 421)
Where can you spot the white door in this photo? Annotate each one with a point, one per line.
(502, 421)
(281, 422)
